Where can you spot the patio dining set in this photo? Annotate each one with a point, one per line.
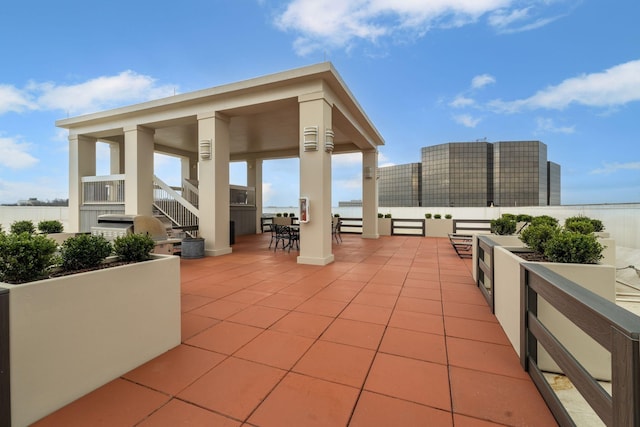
(285, 232)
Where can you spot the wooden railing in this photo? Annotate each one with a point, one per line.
(101, 190)
(614, 328)
(485, 269)
(5, 377)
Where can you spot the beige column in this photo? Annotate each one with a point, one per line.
(189, 167)
(254, 179)
(138, 170)
(315, 181)
(213, 137)
(116, 160)
(370, 194)
(82, 162)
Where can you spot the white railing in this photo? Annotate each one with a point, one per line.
(100, 190)
(190, 192)
(173, 205)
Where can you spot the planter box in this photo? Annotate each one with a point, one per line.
(384, 226)
(70, 335)
(438, 227)
(598, 278)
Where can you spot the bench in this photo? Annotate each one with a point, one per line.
(462, 243)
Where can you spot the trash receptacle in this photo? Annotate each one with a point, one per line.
(192, 247)
(232, 232)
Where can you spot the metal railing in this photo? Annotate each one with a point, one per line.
(614, 328)
(406, 227)
(101, 190)
(471, 226)
(174, 206)
(5, 377)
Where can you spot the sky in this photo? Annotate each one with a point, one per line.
(564, 72)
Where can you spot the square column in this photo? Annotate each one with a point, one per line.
(370, 194)
(213, 138)
(254, 179)
(315, 180)
(138, 170)
(82, 162)
(116, 158)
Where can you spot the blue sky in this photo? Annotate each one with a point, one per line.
(428, 72)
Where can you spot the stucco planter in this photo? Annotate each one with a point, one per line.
(384, 226)
(70, 335)
(597, 278)
(438, 227)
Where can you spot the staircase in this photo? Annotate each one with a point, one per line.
(179, 206)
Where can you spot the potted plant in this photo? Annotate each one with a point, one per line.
(448, 216)
(503, 226)
(69, 330)
(427, 216)
(439, 227)
(384, 224)
(571, 254)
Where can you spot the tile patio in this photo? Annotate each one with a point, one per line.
(394, 333)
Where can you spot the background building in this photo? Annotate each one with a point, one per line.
(400, 185)
(474, 174)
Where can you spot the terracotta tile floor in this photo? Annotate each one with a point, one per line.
(394, 333)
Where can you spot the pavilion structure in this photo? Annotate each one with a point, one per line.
(307, 113)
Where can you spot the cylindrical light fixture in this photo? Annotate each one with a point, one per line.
(205, 149)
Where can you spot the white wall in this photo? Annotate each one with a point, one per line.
(10, 214)
(622, 221)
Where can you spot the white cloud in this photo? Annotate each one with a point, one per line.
(482, 80)
(99, 93)
(338, 23)
(12, 99)
(548, 125)
(610, 168)
(466, 120)
(15, 155)
(45, 188)
(615, 86)
(461, 101)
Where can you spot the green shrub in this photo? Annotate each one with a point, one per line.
(336, 215)
(524, 218)
(437, 216)
(544, 219)
(292, 215)
(380, 215)
(448, 216)
(537, 236)
(50, 227)
(579, 224)
(503, 226)
(84, 251)
(508, 216)
(598, 226)
(25, 226)
(574, 247)
(24, 257)
(285, 214)
(278, 214)
(387, 215)
(133, 247)
(427, 215)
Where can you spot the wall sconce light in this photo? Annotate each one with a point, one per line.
(368, 172)
(328, 140)
(205, 149)
(310, 138)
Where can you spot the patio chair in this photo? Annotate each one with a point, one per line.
(462, 243)
(336, 224)
(282, 234)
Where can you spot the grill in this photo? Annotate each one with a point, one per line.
(113, 225)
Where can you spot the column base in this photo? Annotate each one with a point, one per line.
(370, 236)
(316, 261)
(217, 252)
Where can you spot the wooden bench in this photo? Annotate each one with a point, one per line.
(462, 243)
